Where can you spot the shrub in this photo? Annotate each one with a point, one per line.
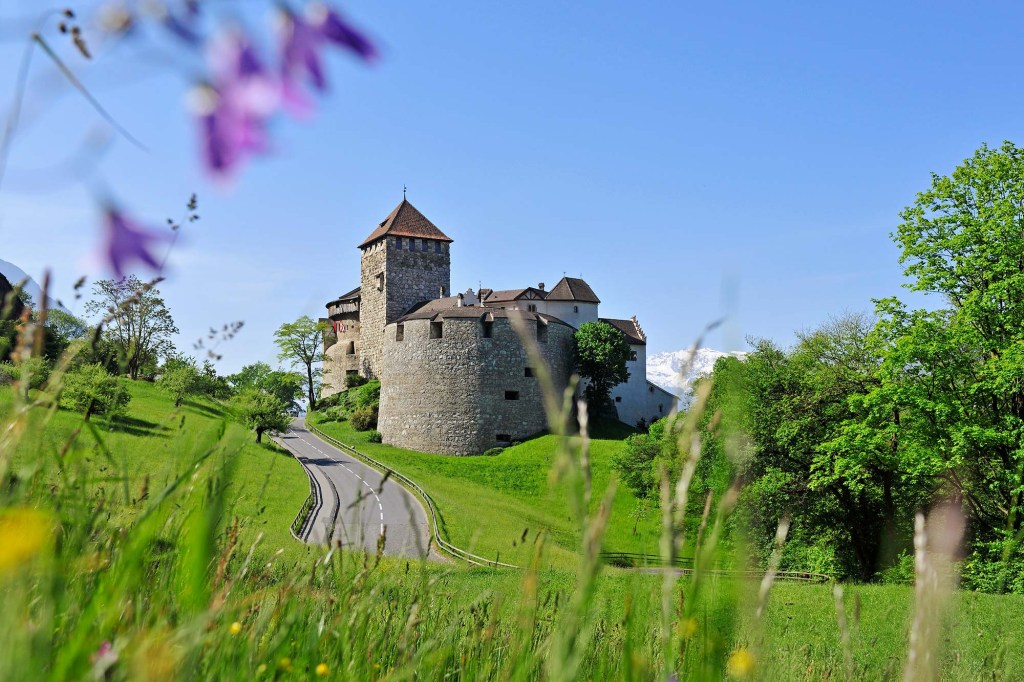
(333, 414)
(367, 395)
(375, 437)
(355, 380)
(900, 573)
(91, 390)
(8, 374)
(38, 370)
(363, 418)
(493, 452)
(994, 567)
(332, 400)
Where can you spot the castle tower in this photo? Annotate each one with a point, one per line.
(405, 261)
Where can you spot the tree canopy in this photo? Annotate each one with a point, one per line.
(601, 353)
(300, 343)
(136, 321)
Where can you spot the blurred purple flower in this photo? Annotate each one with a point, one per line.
(302, 43)
(234, 109)
(336, 29)
(300, 50)
(129, 241)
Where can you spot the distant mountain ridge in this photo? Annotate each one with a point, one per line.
(14, 275)
(664, 369)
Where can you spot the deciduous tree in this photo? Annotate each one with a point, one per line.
(601, 352)
(301, 344)
(136, 321)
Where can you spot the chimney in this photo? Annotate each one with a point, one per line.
(541, 286)
(441, 295)
(460, 303)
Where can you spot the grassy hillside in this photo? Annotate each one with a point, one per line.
(488, 503)
(155, 443)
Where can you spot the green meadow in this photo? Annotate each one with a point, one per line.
(489, 504)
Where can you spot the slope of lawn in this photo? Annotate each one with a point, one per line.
(490, 503)
(144, 451)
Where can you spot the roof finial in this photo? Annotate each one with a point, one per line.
(403, 192)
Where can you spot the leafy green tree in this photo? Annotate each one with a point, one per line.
(634, 463)
(136, 322)
(301, 344)
(286, 386)
(262, 412)
(180, 379)
(601, 353)
(62, 328)
(211, 384)
(953, 378)
(90, 389)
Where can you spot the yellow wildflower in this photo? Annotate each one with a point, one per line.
(235, 628)
(741, 664)
(261, 668)
(24, 533)
(285, 664)
(322, 670)
(688, 628)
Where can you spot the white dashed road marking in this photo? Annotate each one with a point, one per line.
(376, 497)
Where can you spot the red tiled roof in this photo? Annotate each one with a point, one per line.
(572, 289)
(627, 327)
(406, 221)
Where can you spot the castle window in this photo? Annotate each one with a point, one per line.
(350, 348)
(503, 438)
(437, 247)
(380, 281)
(488, 329)
(528, 372)
(399, 332)
(511, 395)
(632, 355)
(660, 409)
(351, 372)
(542, 332)
(436, 330)
(618, 398)
(531, 308)
(650, 389)
(575, 308)
(415, 245)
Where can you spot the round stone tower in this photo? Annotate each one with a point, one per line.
(459, 381)
(405, 261)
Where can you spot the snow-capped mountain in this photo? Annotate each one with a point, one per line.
(664, 369)
(14, 275)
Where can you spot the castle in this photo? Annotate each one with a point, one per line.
(455, 377)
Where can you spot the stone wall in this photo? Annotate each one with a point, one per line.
(451, 395)
(372, 305)
(341, 352)
(395, 274)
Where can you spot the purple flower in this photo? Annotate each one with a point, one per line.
(301, 44)
(128, 241)
(336, 29)
(234, 109)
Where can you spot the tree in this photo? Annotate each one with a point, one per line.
(285, 386)
(91, 390)
(301, 344)
(262, 412)
(62, 328)
(180, 379)
(136, 321)
(602, 352)
(953, 378)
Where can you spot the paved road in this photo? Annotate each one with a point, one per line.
(358, 506)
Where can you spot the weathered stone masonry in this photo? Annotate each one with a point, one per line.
(463, 393)
(455, 378)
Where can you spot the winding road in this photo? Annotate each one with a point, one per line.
(356, 506)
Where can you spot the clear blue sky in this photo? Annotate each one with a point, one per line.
(687, 159)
